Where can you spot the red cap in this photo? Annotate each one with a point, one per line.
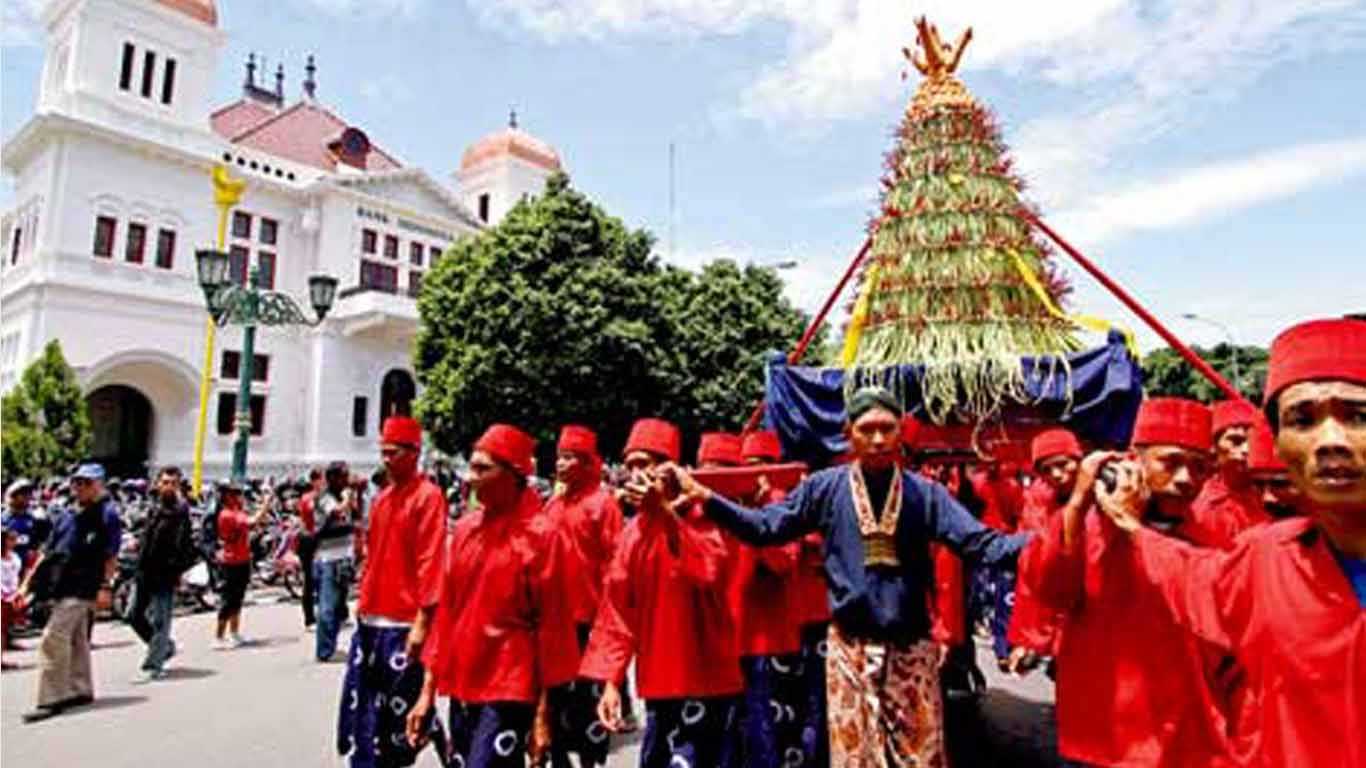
(511, 446)
(578, 439)
(762, 445)
(656, 436)
(401, 430)
(1173, 421)
(719, 448)
(1318, 350)
(1261, 449)
(1054, 442)
(1232, 413)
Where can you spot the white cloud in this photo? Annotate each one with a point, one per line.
(1196, 194)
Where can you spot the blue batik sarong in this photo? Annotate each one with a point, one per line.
(1005, 606)
(815, 728)
(489, 735)
(770, 718)
(689, 733)
(381, 686)
(575, 725)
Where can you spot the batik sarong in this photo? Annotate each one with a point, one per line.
(689, 733)
(884, 701)
(815, 726)
(771, 708)
(489, 735)
(575, 726)
(381, 685)
(1005, 607)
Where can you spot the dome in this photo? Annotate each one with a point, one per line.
(203, 10)
(511, 142)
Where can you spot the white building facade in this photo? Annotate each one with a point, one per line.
(113, 197)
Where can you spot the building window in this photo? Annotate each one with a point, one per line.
(414, 283)
(166, 248)
(269, 230)
(368, 239)
(237, 264)
(360, 408)
(227, 413)
(415, 253)
(390, 247)
(484, 207)
(126, 67)
(104, 236)
(434, 253)
(379, 277)
(266, 263)
(168, 81)
(241, 225)
(137, 243)
(149, 66)
(14, 244)
(231, 368)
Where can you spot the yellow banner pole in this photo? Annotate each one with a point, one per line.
(226, 194)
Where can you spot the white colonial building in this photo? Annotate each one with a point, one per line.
(112, 196)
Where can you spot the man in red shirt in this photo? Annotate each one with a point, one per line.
(1228, 503)
(1055, 454)
(1132, 686)
(665, 604)
(503, 633)
(586, 512)
(1289, 602)
(234, 555)
(1270, 476)
(399, 585)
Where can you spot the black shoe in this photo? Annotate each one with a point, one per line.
(39, 714)
(76, 701)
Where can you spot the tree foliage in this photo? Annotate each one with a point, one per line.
(1167, 373)
(44, 418)
(561, 314)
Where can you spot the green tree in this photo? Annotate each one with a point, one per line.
(561, 314)
(1167, 373)
(44, 418)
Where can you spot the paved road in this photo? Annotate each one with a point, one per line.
(270, 705)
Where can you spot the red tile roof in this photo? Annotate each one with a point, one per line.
(204, 10)
(515, 142)
(299, 133)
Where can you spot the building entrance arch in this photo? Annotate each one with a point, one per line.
(121, 429)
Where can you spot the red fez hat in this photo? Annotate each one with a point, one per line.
(511, 446)
(1261, 449)
(1054, 442)
(401, 430)
(1318, 350)
(719, 448)
(1232, 413)
(1173, 421)
(655, 436)
(762, 445)
(577, 439)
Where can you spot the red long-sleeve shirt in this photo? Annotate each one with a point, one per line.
(503, 629)
(1281, 604)
(1032, 624)
(591, 521)
(404, 546)
(1220, 513)
(1133, 687)
(665, 602)
(812, 592)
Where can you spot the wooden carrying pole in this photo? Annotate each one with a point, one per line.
(1114, 288)
(799, 351)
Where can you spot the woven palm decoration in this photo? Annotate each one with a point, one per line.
(955, 281)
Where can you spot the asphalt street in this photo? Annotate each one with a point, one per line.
(270, 704)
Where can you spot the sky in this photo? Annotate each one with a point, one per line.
(1210, 155)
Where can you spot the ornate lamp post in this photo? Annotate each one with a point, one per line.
(250, 306)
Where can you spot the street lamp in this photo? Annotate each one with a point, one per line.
(249, 306)
(1232, 345)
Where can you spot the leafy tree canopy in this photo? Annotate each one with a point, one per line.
(1166, 373)
(561, 314)
(44, 418)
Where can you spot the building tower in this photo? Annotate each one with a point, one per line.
(502, 168)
